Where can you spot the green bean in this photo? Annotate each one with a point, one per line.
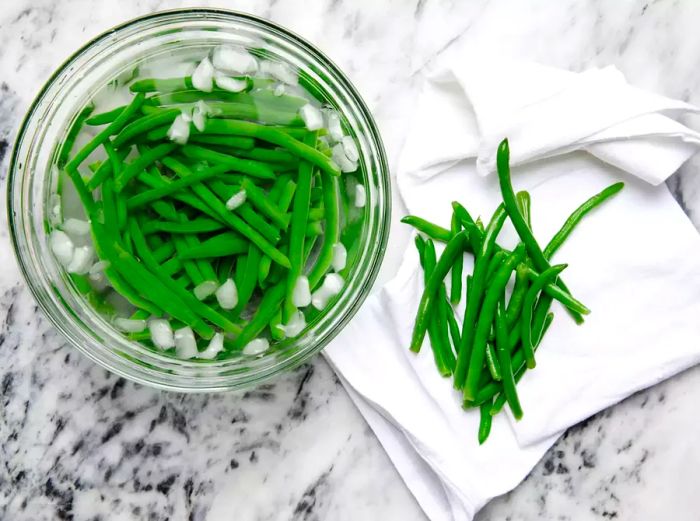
(171, 266)
(495, 263)
(141, 163)
(230, 218)
(224, 244)
(144, 124)
(269, 305)
(476, 292)
(73, 132)
(270, 155)
(164, 251)
(259, 200)
(317, 213)
(485, 321)
(241, 143)
(250, 278)
(454, 248)
(533, 248)
(148, 196)
(313, 229)
(515, 305)
(203, 264)
(161, 84)
(510, 392)
(200, 225)
(297, 230)
(578, 215)
(485, 422)
(492, 363)
(191, 268)
(223, 270)
(538, 284)
(331, 232)
(270, 115)
(456, 271)
(274, 136)
(158, 133)
(454, 329)
(246, 166)
(433, 231)
(284, 200)
(444, 359)
(198, 308)
(522, 199)
(105, 117)
(444, 311)
(257, 222)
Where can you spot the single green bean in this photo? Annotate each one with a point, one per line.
(105, 117)
(161, 84)
(522, 199)
(538, 284)
(510, 392)
(578, 215)
(495, 263)
(297, 230)
(221, 245)
(331, 231)
(456, 271)
(515, 304)
(432, 230)
(250, 279)
(164, 251)
(492, 363)
(485, 422)
(172, 266)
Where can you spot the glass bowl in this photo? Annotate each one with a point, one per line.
(30, 183)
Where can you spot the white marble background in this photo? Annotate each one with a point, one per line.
(78, 443)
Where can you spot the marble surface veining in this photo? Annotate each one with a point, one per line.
(79, 443)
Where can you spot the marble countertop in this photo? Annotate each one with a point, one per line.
(79, 443)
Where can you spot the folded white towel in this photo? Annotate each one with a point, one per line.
(634, 261)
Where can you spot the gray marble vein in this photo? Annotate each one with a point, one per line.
(79, 443)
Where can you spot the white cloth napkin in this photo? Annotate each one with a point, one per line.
(634, 261)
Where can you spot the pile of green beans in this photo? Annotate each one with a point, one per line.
(502, 327)
(161, 220)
